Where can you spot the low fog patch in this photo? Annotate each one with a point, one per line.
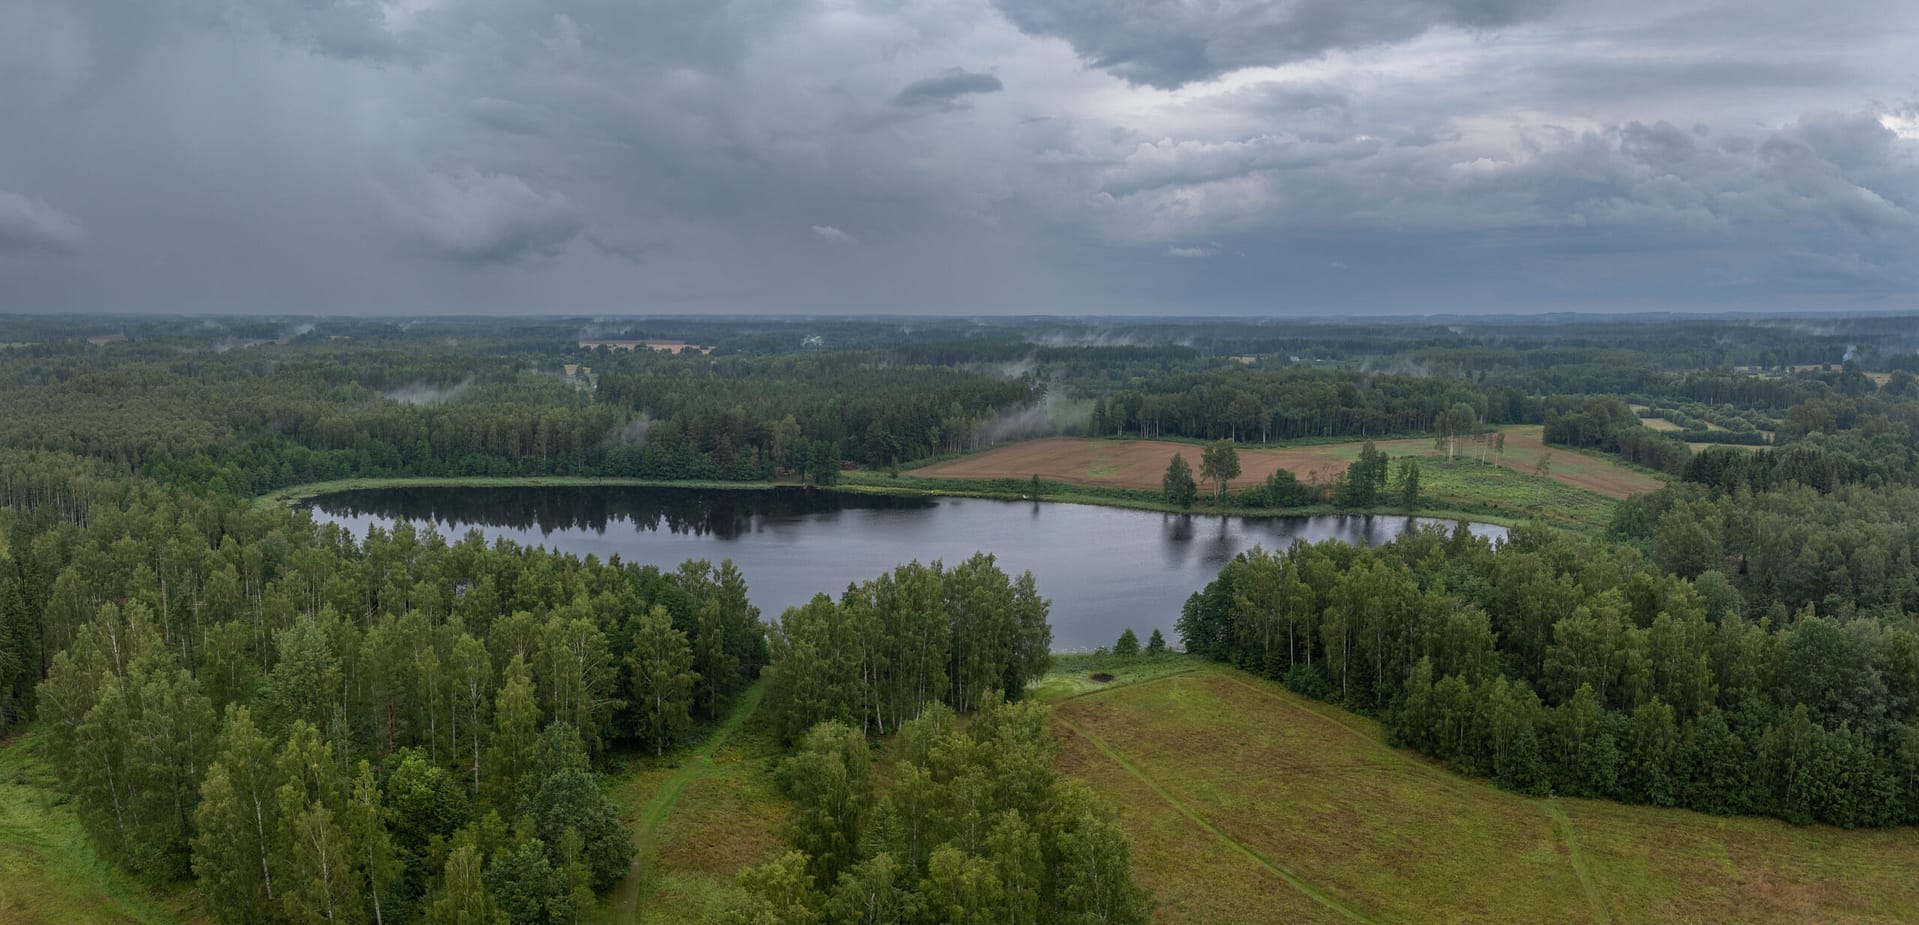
(426, 393)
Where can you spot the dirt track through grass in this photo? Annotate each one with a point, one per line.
(652, 820)
(1297, 882)
(1586, 881)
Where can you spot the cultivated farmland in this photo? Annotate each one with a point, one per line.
(1141, 463)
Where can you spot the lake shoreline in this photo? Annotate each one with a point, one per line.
(1101, 565)
(872, 484)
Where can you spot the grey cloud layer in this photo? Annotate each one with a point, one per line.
(956, 155)
(28, 227)
(947, 87)
(1167, 43)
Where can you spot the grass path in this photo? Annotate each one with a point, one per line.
(1292, 879)
(1585, 873)
(697, 765)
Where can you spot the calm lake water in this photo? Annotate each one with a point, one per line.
(1104, 569)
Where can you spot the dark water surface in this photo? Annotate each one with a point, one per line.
(1104, 569)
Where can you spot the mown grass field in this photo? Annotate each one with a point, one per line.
(1247, 803)
(49, 872)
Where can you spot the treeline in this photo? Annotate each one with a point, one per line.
(746, 418)
(972, 825)
(1258, 405)
(893, 646)
(246, 421)
(1556, 665)
(321, 728)
(1607, 424)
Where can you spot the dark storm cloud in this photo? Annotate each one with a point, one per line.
(1167, 43)
(1126, 155)
(945, 88)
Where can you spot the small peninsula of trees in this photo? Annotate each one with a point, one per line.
(919, 635)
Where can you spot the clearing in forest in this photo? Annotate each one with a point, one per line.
(50, 873)
(699, 817)
(1247, 803)
(1141, 463)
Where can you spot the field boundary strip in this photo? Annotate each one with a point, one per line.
(1586, 881)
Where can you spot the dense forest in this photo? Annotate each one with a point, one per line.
(1741, 641)
(403, 726)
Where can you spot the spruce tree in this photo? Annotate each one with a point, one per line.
(1178, 484)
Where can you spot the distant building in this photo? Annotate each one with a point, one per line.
(664, 346)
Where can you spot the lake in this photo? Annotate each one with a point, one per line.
(1104, 569)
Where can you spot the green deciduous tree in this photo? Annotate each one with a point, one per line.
(516, 735)
(239, 824)
(566, 800)
(528, 889)
(830, 779)
(1219, 464)
(663, 678)
(464, 899)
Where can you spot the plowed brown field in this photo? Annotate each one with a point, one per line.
(1141, 463)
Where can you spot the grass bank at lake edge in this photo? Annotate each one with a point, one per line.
(297, 493)
(868, 482)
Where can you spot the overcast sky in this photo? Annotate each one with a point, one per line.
(1300, 157)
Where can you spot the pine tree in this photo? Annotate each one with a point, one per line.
(1156, 644)
(1408, 483)
(19, 660)
(1128, 644)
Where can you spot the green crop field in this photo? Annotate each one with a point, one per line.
(1247, 803)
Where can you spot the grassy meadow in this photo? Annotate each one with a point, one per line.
(1247, 803)
(49, 872)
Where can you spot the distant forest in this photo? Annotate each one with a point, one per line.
(408, 727)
